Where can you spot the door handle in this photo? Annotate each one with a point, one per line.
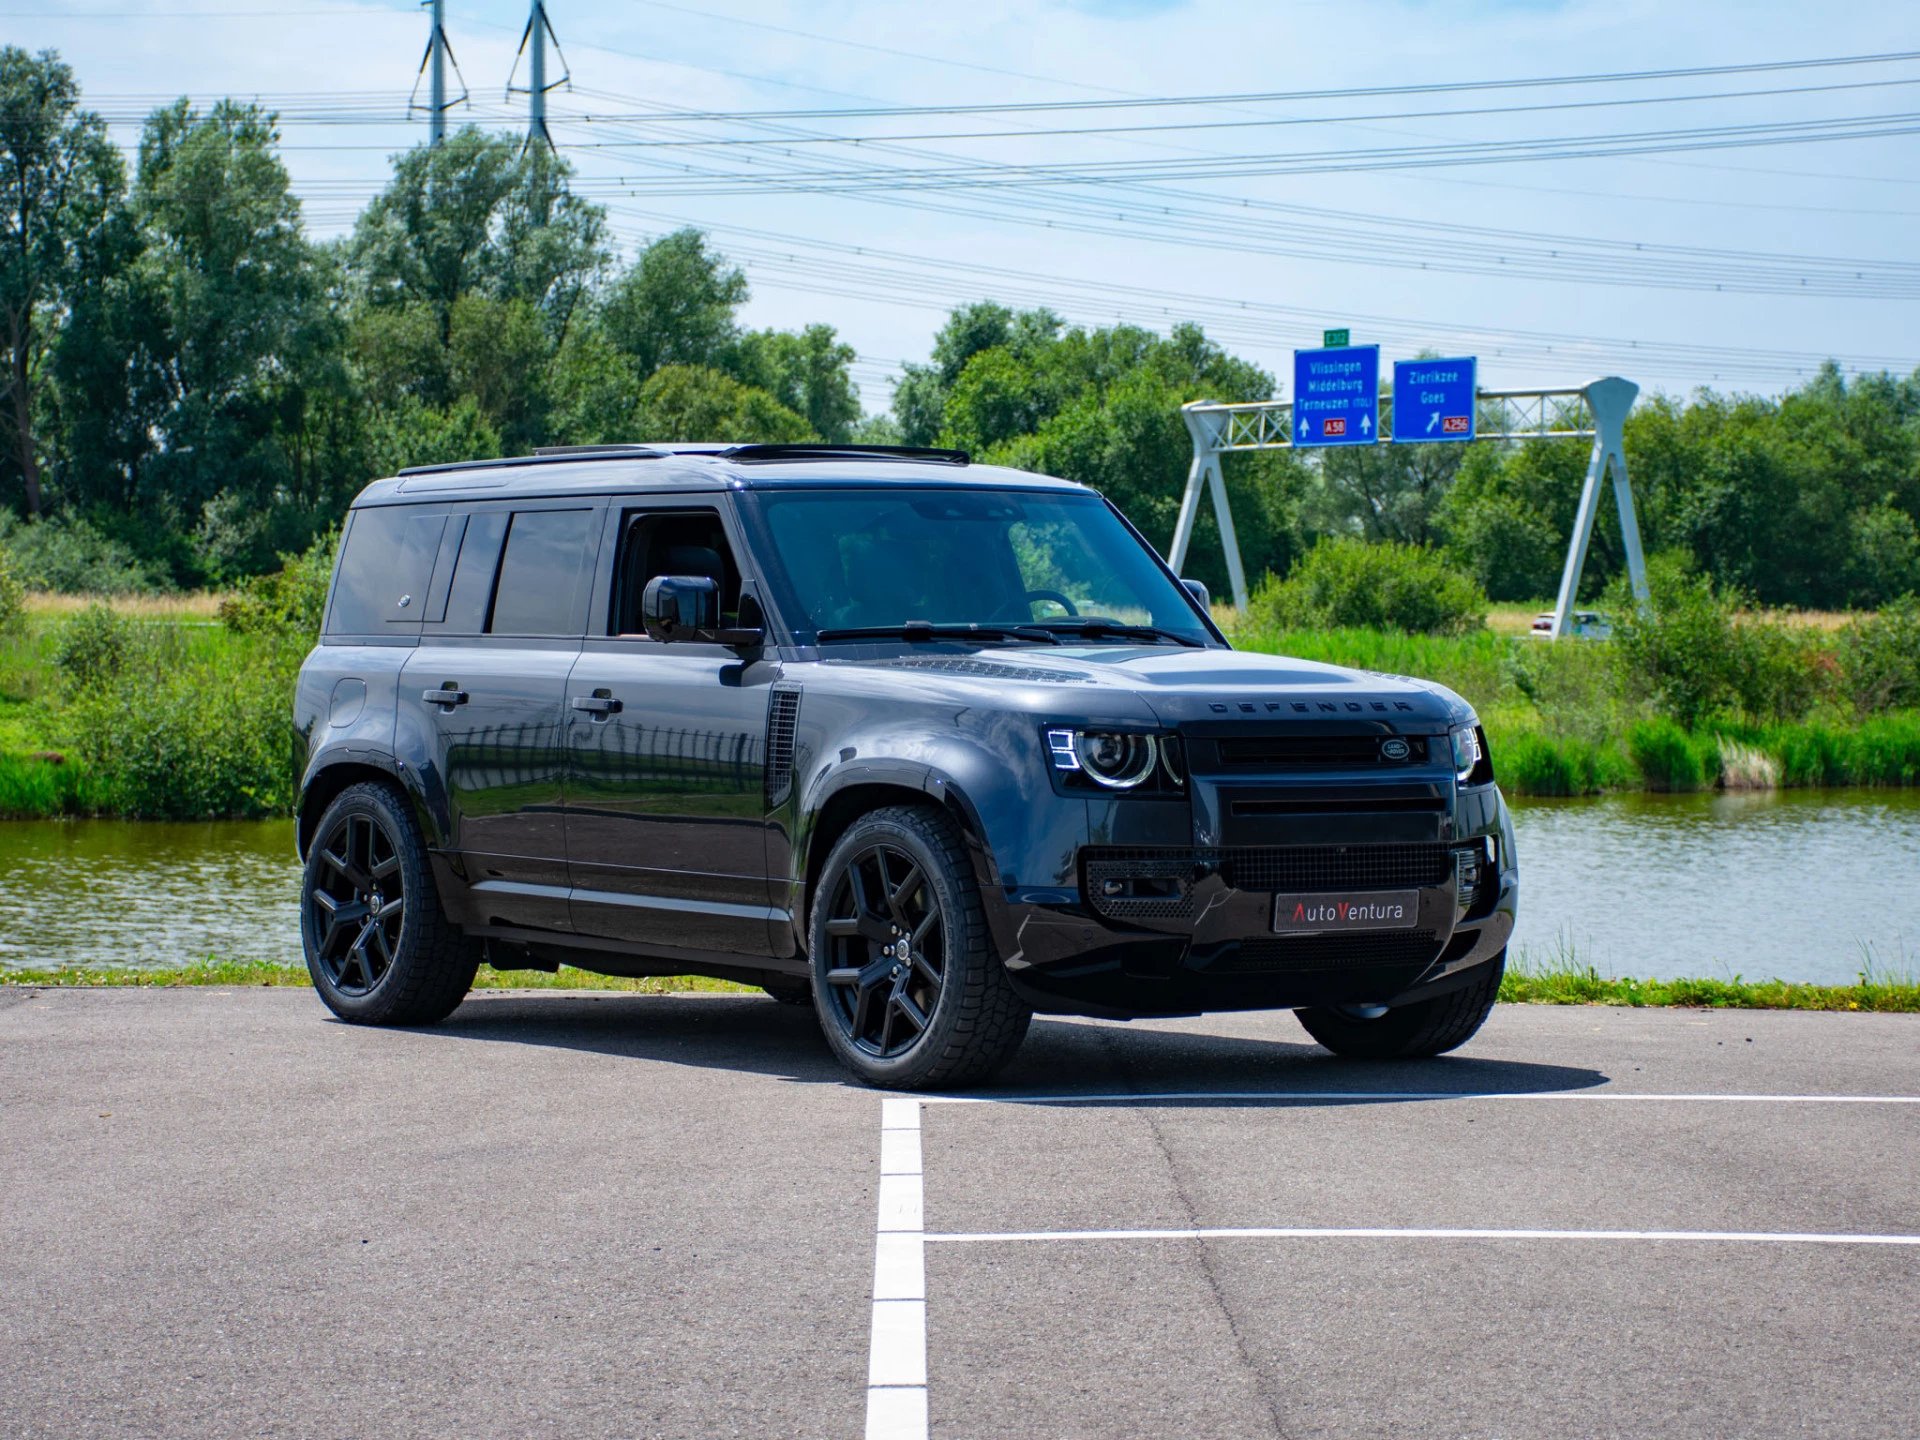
(447, 697)
(599, 703)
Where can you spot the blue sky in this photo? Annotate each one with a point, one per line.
(1109, 255)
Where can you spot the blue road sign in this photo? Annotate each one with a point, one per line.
(1336, 396)
(1433, 399)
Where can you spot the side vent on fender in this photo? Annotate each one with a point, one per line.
(783, 711)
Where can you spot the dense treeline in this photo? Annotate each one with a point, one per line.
(193, 386)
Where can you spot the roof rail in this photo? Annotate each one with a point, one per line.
(617, 447)
(554, 456)
(752, 453)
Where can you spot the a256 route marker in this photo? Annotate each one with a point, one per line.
(1336, 395)
(1433, 400)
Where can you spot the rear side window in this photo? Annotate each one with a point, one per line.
(542, 589)
(385, 570)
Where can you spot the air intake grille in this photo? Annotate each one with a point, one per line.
(1412, 949)
(783, 711)
(1336, 867)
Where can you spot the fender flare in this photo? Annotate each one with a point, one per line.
(421, 786)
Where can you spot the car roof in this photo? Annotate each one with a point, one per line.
(667, 468)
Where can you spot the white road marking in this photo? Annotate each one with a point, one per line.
(897, 1350)
(1148, 1097)
(1760, 1237)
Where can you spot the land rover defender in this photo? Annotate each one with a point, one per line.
(927, 745)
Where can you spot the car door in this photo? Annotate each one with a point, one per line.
(485, 693)
(666, 751)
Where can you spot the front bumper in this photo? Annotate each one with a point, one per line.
(1197, 933)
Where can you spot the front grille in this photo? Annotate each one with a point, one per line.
(1336, 867)
(1290, 868)
(1409, 949)
(1313, 752)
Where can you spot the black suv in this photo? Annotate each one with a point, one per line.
(925, 744)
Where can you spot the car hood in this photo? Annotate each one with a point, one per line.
(1183, 686)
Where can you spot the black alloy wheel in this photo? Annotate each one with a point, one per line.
(887, 951)
(907, 982)
(378, 946)
(359, 903)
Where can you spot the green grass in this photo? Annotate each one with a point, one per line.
(1554, 982)
(1560, 977)
(250, 973)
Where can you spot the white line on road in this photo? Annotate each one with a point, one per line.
(1758, 1237)
(1148, 1097)
(897, 1351)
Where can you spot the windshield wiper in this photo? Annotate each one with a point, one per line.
(1094, 629)
(926, 630)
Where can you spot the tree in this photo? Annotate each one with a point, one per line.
(242, 335)
(61, 181)
(690, 402)
(479, 214)
(675, 305)
(807, 372)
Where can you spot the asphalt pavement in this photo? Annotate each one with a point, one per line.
(223, 1213)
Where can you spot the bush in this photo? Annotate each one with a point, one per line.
(73, 558)
(177, 736)
(93, 647)
(13, 597)
(290, 601)
(1879, 658)
(1387, 586)
(1695, 656)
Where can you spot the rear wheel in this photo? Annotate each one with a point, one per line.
(378, 947)
(1404, 1032)
(905, 978)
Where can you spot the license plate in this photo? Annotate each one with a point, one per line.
(1359, 910)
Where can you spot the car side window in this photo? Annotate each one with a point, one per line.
(385, 569)
(675, 542)
(541, 588)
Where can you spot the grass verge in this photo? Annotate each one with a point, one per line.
(1525, 984)
(214, 972)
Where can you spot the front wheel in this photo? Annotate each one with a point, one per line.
(907, 984)
(1407, 1032)
(378, 947)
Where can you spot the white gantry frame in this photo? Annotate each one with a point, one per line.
(1596, 412)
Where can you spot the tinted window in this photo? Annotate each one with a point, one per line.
(474, 571)
(384, 571)
(541, 574)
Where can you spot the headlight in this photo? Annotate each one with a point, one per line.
(1470, 765)
(1115, 759)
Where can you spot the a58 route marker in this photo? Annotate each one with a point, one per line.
(1433, 400)
(1336, 395)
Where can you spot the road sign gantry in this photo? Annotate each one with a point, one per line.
(1596, 411)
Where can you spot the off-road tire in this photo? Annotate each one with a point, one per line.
(1406, 1032)
(978, 1020)
(433, 962)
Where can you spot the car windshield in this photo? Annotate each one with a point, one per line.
(878, 559)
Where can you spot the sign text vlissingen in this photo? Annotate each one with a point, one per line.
(1434, 400)
(1336, 396)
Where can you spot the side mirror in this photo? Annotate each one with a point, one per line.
(1198, 589)
(679, 608)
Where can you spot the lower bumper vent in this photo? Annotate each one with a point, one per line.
(1413, 950)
